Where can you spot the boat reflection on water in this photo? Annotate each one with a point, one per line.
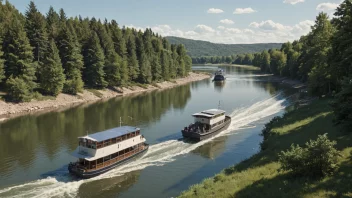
(110, 187)
(219, 85)
(212, 149)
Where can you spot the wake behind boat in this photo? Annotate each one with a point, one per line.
(100, 152)
(207, 124)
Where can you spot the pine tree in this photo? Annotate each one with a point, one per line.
(181, 69)
(145, 75)
(113, 61)
(18, 60)
(320, 39)
(71, 60)
(2, 71)
(52, 20)
(341, 59)
(132, 61)
(36, 31)
(94, 63)
(165, 64)
(174, 62)
(52, 76)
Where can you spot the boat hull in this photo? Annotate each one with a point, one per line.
(90, 174)
(219, 78)
(211, 133)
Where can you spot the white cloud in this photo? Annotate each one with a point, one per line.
(293, 2)
(227, 21)
(221, 27)
(303, 26)
(215, 11)
(244, 11)
(327, 6)
(233, 30)
(203, 29)
(268, 25)
(259, 32)
(191, 33)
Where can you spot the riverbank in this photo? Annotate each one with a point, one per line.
(10, 110)
(259, 176)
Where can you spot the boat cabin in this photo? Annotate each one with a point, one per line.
(102, 149)
(209, 119)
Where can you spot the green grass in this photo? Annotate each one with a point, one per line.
(260, 175)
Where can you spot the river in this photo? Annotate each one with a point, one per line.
(35, 149)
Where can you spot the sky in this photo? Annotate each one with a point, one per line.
(220, 21)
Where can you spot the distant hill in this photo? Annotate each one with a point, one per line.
(197, 48)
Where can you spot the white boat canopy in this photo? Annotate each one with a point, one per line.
(111, 133)
(209, 113)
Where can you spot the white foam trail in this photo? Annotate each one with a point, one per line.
(157, 155)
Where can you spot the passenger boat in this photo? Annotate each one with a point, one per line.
(100, 152)
(207, 124)
(219, 75)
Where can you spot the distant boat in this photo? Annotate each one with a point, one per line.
(219, 75)
(100, 152)
(207, 124)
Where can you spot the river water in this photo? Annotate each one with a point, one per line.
(35, 149)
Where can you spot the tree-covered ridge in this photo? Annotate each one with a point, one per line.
(322, 59)
(53, 53)
(197, 48)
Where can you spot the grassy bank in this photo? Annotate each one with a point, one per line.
(259, 176)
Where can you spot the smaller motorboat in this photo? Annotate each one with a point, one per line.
(219, 75)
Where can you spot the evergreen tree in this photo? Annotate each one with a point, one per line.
(113, 61)
(341, 59)
(18, 60)
(174, 62)
(2, 71)
(145, 75)
(36, 31)
(181, 69)
(165, 64)
(71, 59)
(132, 61)
(94, 63)
(52, 76)
(52, 20)
(320, 74)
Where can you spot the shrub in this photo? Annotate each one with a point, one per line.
(18, 90)
(317, 159)
(266, 132)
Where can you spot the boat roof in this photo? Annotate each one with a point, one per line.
(110, 133)
(209, 113)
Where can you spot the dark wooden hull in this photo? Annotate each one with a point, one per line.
(90, 174)
(219, 78)
(209, 134)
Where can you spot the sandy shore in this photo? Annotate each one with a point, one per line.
(10, 110)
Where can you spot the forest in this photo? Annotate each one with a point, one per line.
(322, 59)
(52, 53)
(204, 49)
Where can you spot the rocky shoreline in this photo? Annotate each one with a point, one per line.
(10, 110)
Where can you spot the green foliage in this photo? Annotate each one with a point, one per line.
(71, 60)
(18, 90)
(51, 76)
(94, 63)
(343, 105)
(113, 56)
(36, 31)
(18, 58)
(317, 159)
(2, 71)
(196, 48)
(277, 62)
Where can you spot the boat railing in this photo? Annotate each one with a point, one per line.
(113, 160)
